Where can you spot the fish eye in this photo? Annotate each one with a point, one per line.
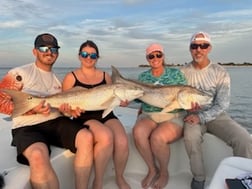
(19, 78)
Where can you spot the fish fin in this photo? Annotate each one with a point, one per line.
(116, 76)
(172, 106)
(74, 89)
(185, 100)
(21, 102)
(115, 102)
(106, 112)
(108, 102)
(77, 88)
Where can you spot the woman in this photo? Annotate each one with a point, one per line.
(109, 128)
(154, 131)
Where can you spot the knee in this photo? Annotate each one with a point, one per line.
(84, 136)
(122, 142)
(242, 145)
(138, 132)
(192, 133)
(38, 157)
(106, 138)
(157, 139)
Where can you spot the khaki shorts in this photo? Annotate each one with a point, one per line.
(159, 117)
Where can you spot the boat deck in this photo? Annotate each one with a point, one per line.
(17, 175)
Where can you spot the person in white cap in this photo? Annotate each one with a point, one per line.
(155, 131)
(213, 79)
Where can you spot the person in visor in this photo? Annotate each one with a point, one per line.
(154, 131)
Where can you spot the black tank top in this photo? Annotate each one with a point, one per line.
(88, 86)
(97, 115)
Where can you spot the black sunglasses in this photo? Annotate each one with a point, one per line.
(85, 54)
(53, 50)
(201, 46)
(151, 56)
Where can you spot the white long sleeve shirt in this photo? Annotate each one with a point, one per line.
(213, 80)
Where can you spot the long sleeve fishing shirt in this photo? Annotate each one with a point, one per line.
(213, 80)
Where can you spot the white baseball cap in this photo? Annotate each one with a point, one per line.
(200, 36)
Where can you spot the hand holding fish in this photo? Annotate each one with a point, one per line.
(67, 110)
(41, 108)
(124, 103)
(192, 119)
(195, 107)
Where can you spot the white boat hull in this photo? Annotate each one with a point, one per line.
(17, 175)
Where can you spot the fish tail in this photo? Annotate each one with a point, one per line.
(22, 102)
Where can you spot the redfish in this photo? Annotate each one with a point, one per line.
(103, 97)
(169, 97)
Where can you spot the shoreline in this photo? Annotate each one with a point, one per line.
(222, 64)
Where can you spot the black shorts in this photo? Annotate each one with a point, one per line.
(96, 115)
(60, 132)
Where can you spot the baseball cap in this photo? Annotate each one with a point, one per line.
(154, 47)
(46, 39)
(203, 36)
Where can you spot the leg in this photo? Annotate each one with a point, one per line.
(141, 133)
(83, 158)
(42, 174)
(161, 137)
(193, 138)
(121, 151)
(233, 134)
(103, 148)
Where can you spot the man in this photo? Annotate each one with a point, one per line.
(42, 126)
(214, 80)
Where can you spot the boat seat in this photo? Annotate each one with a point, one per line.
(214, 150)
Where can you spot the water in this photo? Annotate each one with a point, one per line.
(241, 101)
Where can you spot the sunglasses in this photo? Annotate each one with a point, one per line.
(53, 50)
(151, 56)
(201, 46)
(85, 54)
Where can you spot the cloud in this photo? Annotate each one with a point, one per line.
(11, 24)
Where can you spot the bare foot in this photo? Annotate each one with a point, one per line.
(122, 184)
(161, 181)
(150, 177)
